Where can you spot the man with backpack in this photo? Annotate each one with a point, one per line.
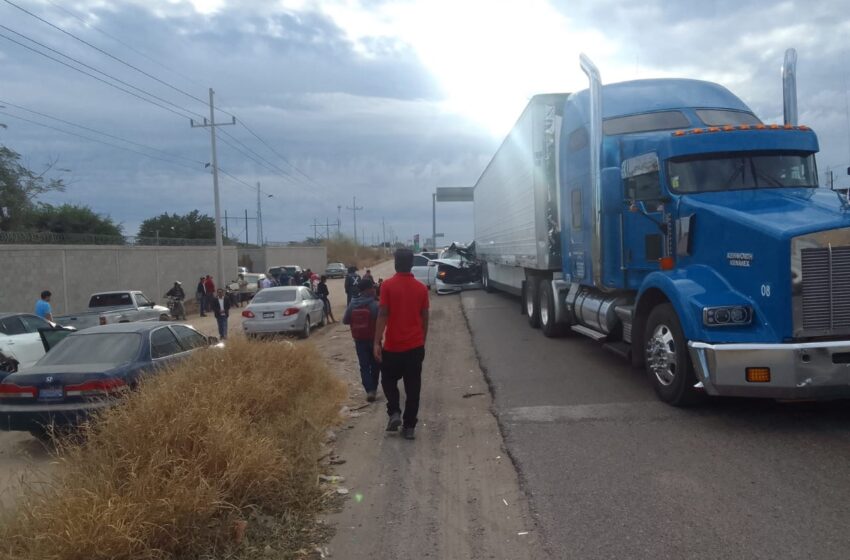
(352, 279)
(362, 315)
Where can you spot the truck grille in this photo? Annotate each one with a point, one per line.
(826, 289)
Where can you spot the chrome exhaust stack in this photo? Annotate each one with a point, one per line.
(592, 72)
(789, 87)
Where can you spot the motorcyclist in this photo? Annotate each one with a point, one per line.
(177, 295)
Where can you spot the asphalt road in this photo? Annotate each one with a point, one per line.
(613, 473)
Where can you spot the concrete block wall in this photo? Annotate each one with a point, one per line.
(74, 272)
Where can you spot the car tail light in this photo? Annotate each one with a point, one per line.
(290, 311)
(248, 313)
(12, 391)
(96, 388)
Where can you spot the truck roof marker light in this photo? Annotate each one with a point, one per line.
(789, 127)
(775, 127)
(679, 133)
(728, 128)
(667, 263)
(803, 127)
(744, 127)
(714, 129)
(697, 131)
(760, 127)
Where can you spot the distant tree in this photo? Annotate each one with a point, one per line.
(193, 225)
(19, 188)
(70, 218)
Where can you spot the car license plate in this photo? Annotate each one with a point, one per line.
(51, 393)
(268, 314)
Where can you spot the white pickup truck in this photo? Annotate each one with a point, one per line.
(116, 307)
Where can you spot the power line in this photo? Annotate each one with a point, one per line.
(101, 132)
(247, 152)
(145, 99)
(272, 150)
(127, 45)
(99, 141)
(95, 47)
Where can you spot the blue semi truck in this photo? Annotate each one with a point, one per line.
(664, 219)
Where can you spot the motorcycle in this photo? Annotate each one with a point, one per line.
(176, 308)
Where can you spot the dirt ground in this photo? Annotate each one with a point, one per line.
(451, 493)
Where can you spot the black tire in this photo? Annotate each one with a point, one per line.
(532, 303)
(163, 317)
(485, 279)
(668, 363)
(547, 303)
(305, 332)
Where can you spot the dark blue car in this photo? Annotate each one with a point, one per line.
(86, 371)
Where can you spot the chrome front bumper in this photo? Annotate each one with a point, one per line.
(797, 371)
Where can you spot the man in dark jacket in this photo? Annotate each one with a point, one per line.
(351, 281)
(362, 315)
(201, 297)
(220, 305)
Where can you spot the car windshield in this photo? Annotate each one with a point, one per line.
(274, 296)
(741, 170)
(336, 265)
(100, 348)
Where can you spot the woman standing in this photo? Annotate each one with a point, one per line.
(323, 293)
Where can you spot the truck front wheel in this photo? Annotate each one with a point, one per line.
(485, 279)
(668, 364)
(532, 302)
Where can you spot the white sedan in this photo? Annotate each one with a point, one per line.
(283, 309)
(424, 270)
(20, 343)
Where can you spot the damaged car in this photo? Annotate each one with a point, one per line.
(458, 269)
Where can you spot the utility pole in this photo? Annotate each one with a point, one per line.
(259, 218)
(338, 219)
(383, 233)
(225, 223)
(830, 178)
(246, 226)
(354, 208)
(315, 229)
(434, 220)
(219, 243)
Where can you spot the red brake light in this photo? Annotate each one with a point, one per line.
(12, 391)
(291, 311)
(96, 388)
(248, 313)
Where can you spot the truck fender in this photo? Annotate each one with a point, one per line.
(688, 291)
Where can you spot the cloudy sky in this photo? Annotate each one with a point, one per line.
(379, 100)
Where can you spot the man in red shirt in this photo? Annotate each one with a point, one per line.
(403, 314)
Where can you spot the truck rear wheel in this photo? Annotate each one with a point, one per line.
(547, 301)
(532, 303)
(485, 279)
(668, 364)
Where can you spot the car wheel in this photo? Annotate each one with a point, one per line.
(164, 317)
(305, 332)
(548, 325)
(532, 303)
(668, 364)
(485, 279)
(7, 365)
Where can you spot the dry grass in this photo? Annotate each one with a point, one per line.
(226, 436)
(343, 249)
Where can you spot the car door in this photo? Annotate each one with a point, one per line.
(146, 312)
(25, 344)
(422, 269)
(165, 347)
(317, 306)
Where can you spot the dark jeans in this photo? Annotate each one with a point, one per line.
(406, 366)
(370, 369)
(222, 327)
(202, 303)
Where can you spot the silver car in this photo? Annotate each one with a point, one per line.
(283, 309)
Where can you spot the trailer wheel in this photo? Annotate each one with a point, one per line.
(485, 279)
(547, 301)
(668, 364)
(532, 303)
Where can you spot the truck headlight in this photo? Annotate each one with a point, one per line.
(731, 315)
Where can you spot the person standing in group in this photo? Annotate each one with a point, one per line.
(221, 309)
(351, 281)
(369, 276)
(378, 287)
(362, 315)
(201, 297)
(243, 289)
(324, 294)
(42, 306)
(209, 290)
(399, 345)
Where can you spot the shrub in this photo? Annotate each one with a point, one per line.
(167, 474)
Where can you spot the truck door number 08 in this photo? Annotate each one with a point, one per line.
(765, 290)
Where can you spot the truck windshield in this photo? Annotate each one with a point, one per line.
(741, 170)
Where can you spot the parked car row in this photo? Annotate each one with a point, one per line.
(284, 309)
